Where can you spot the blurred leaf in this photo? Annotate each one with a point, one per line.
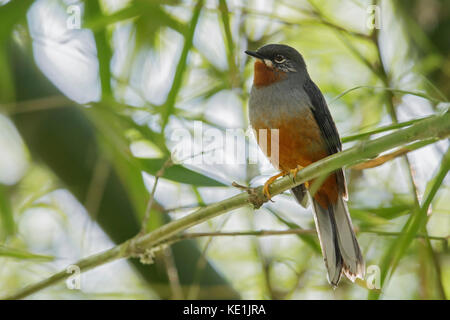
(6, 213)
(148, 14)
(234, 77)
(388, 213)
(309, 239)
(11, 13)
(181, 67)
(104, 51)
(416, 220)
(367, 218)
(21, 254)
(179, 173)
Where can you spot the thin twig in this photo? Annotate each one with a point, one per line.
(158, 175)
(265, 233)
(95, 192)
(201, 263)
(172, 274)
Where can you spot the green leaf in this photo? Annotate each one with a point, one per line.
(6, 213)
(10, 14)
(104, 51)
(181, 67)
(22, 254)
(388, 213)
(367, 218)
(178, 173)
(309, 239)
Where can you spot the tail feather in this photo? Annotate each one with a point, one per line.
(340, 248)
(326, 229)
(348, 245)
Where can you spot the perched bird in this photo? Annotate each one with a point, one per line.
(284, 97)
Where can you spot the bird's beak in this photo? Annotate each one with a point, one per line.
(259, 56)
(254, 54)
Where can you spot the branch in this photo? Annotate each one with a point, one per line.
(258, 233)
(434, 127)
(391, 156)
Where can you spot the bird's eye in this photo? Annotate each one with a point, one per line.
(279, 58)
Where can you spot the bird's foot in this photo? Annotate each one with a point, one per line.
(294, 172)
(269, 182)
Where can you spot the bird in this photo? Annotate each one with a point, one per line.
(284, 98)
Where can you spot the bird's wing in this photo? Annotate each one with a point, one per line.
(327, 127)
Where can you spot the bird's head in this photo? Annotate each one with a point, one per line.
(276, 62)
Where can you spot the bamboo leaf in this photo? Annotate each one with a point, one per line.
(6, 213)
(310, 240)
(10, 14)
(104, 51)
(22, 254)
(182, 66)
(178, 173)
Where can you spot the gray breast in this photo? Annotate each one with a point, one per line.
(279, 100)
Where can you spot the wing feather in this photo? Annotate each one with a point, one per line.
(327, 126)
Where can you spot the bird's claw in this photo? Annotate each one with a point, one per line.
(269, 182)
(294, 172)
(266, 191)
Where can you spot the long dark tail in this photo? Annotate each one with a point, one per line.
(340, 248)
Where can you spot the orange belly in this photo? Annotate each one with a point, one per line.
(300, 144)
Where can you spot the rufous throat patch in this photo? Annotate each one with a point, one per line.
(265, 76)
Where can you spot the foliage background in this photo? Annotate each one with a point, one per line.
(87, 118)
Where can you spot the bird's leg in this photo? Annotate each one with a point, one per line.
(294, 172)
(270, 181)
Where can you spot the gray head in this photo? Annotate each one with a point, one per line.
(281, 57)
